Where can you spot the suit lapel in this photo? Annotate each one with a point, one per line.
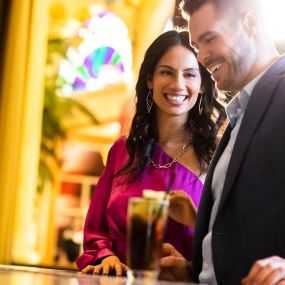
(256, 108)
(205, 207)
(204, 210)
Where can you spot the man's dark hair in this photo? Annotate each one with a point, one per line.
(231, 6)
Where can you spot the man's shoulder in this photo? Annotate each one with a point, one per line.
(278, 66)
(272, 77)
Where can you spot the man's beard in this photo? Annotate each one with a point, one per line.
(237, 75)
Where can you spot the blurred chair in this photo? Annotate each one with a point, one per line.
(77, 179)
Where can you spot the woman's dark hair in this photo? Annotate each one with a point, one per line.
(203, 127)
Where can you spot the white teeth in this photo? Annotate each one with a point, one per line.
(215, 67)
(176, 99)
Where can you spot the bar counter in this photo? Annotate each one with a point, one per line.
(22, 275)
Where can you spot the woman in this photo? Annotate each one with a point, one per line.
(174, 130)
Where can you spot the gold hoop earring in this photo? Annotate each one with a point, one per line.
(149, 101)
(200, 107)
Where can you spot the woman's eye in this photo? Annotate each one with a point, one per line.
(165, 72)
(187, 75)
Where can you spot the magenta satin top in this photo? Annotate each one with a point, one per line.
(105, 224)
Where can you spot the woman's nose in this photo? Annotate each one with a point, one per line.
(179, 81)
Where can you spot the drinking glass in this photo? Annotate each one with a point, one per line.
(147, 220)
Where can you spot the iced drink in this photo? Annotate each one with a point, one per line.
(146, 226)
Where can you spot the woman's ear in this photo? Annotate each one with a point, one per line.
(149, 83)
(202, 89)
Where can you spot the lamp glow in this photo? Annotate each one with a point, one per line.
(274, 13)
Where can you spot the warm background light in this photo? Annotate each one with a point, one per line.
(274, 11)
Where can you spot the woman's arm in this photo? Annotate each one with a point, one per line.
(97, 244)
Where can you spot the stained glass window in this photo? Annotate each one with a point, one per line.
(103, 56)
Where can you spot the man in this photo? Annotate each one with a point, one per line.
(240, 228)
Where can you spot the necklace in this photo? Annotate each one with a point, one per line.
(175, 159)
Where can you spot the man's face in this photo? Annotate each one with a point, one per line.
(224, 46)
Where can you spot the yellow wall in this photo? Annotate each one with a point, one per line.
(20, 125)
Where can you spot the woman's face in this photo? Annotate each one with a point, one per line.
(176, 82)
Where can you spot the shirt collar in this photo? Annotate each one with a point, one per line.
(240, 100)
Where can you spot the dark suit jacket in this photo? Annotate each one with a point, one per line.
(250, 223)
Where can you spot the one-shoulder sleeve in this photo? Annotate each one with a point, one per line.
(96, 242)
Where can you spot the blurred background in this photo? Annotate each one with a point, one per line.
(67, 75)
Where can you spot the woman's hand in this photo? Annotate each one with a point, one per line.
(110, 264)
(182, 208)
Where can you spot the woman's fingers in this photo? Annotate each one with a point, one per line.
(106, 268)
(88, 269)
(118, 268)
(92, 269)
(109, 265)
(125, 268)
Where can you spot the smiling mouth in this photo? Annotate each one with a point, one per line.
(215, 67)
(178, 99)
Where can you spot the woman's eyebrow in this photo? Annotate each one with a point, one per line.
(186, 69)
